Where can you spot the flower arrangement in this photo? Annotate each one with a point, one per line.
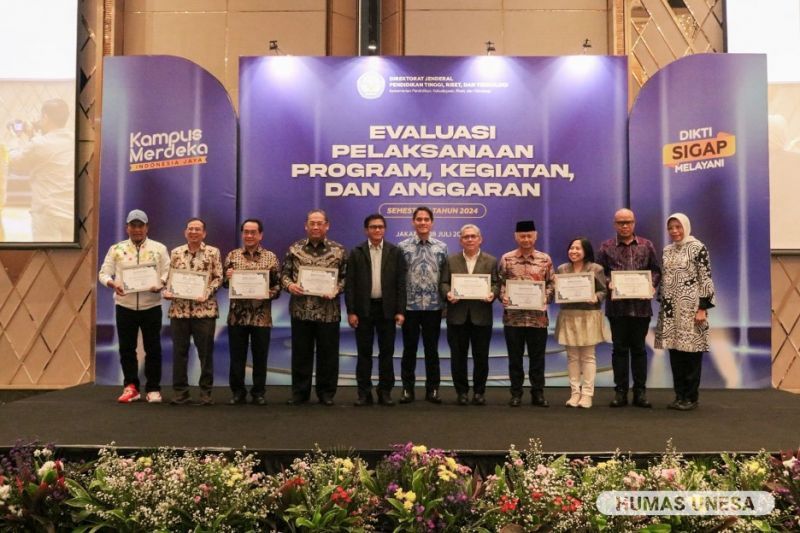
(413, 489)
(33, 489)
(322, 492)
(423, 489)
(170, 490)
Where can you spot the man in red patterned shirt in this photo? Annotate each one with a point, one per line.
(526, 326)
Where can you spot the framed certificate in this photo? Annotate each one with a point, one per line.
(318, 281)
(631, 285)
(140, 278)
(187, 284)
(249, 285)
(575, 288)
(526, 294)
(471, 286)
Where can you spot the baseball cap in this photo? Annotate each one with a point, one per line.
(136, 214)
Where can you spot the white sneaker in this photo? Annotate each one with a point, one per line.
(573, 399)
(154, 397)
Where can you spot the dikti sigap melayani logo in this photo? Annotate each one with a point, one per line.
(699, 149)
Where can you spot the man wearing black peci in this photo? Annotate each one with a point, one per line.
(375, 296)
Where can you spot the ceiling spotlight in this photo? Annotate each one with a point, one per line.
(490, 48)
(586, 45)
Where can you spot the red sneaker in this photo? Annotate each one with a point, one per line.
(129, 394)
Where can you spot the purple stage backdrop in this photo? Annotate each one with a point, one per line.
(698, 145)
(484, 140)
(169, 148)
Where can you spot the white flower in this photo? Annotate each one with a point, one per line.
(5, 491)
(45, 468)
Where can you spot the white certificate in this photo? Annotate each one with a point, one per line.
(318, 281)
(140, 278)
(574, 288)
(471, 286)
(632, 284)
(525, 294)
(187, 284)
(249, 285)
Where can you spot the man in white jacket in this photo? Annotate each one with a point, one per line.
(136, 269)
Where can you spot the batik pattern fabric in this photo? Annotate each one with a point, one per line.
(326, 254)
(206, 259)
(686, 286)
(425, 261)
(536, 266)
(245, 312)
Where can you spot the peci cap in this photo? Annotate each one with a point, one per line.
(136, 214)
(525, 225)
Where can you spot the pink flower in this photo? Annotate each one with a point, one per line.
(570, 483)
(197, 499)
(668, 474)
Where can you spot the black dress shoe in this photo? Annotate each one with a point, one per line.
(620, 399)
(537, 399)
(239, 399)
(385, 398)
(515, 401)
(296, 400)
(433, 396)
(640, 400)
(205, 399)
(181, 399)
(675, 404)
(462, 399)
(326, 401)
(363, 400)
(478, 399)
(687, 405)
(407, 396)
(259, 399)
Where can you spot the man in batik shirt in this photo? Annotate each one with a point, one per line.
(526, 326)
(194, 319)
(425, 258)
(629, 318)
(250, 320)
(315, 319)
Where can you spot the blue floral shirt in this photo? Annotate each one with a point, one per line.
(425, 260)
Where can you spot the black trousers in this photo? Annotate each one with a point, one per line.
(239, 338)
(629, 351)
(308, 337)
(183, 331)
(686, 370)
(460, 337)
(429, 323)
(516, 340)
(367, 328)
(129, 322)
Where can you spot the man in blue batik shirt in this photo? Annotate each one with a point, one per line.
(425, 257)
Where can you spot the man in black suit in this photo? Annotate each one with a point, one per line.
(375, 296)
(469, 320)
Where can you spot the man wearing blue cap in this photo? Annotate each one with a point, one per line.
(136, 269)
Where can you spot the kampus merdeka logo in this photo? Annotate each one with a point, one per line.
(175, 148)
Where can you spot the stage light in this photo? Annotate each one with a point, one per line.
(586, 45)
(490, 48)
(372, 47)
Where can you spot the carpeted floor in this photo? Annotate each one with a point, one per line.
(88, 416)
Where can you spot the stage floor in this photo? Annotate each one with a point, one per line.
(727, 420)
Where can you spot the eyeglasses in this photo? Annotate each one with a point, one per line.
(375, 226)
(624, 222)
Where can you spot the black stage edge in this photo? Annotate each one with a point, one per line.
(81, 419)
